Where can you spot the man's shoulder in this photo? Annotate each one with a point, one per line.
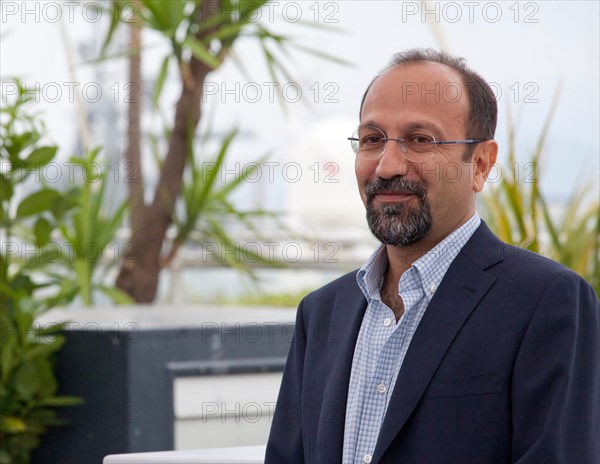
(530, 267)
(342, 293)
(528, 261)
(520, 265)
(343, 285)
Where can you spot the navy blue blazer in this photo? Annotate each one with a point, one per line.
(503, 368)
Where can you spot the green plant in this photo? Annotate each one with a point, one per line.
(201, 35)
(72, 226)
(91, 229)
(28, 387)
(518, 212)
(206, 206)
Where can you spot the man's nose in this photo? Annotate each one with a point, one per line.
(392, 162)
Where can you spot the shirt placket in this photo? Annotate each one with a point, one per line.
(377, 388)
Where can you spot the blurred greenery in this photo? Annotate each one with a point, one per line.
(200, 35)
(283, 300)
(28, 399)
(64, 229)
(92, 229)
(520, 213)
(207, 207)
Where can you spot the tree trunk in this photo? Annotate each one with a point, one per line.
(133, 167)
(139, 273)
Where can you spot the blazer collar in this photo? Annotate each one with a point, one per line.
(343, 331)
(461, 289)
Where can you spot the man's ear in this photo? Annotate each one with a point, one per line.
(483, 161)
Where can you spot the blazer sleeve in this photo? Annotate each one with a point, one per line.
(285, 445)
(556, 378)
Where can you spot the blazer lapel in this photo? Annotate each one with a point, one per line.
(345, 324)
(463, 286)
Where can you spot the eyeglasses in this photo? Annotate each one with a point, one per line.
(369, 142)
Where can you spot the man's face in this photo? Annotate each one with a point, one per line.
(426, 198)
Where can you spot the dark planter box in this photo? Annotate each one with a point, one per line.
(123, 362)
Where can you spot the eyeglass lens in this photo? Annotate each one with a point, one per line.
(370, 142)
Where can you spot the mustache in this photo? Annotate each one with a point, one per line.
(395, 184)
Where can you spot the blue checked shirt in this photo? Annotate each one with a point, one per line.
(382, 343)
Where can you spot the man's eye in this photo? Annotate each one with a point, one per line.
(420, 139)
(372, 139)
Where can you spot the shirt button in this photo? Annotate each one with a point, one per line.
(367, 458)
(381, 388)
(387, 321)
(433, 287)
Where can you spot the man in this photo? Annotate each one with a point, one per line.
(447, 346)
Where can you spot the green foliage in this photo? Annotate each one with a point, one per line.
(37, 214)
(207, 205)
(282, 300)
(205, 30)
(518, 212)
(200, 35)
(69, 228)
(28, 398)
(27, 384)
(91, 229)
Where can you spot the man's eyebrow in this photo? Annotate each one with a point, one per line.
(369, 123)
(426, 125)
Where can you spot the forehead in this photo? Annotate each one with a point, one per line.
(430, 91)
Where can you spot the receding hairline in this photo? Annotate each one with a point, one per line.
(423, 62)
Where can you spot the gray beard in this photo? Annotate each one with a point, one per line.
(398, 224)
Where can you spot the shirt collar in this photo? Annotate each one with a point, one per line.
(370, 275)
(431, 267)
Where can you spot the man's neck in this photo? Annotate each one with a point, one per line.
(401, 258)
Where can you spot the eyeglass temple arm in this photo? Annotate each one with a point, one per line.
(447, 142)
